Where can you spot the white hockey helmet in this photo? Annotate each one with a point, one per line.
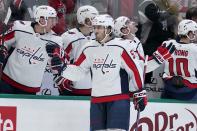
(185, 26)
(85, 12)
(120, 23)
(44, 11)
(103, 20)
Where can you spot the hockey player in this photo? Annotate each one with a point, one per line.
(74, 40)
(180, 71)
(126, 29)
(26, 64)
(111, 65)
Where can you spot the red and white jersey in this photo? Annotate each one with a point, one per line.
(48, 86)
(136, 47)
(111, 65)
(136, 50)
(183, 63)
(26, 64)
(74, 41)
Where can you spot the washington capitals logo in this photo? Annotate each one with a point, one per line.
(103, 65)
(32, 54)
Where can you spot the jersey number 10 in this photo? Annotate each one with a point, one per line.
(181, 64)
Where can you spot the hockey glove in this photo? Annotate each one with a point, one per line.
(57, 65)
(63, 84)
(3, 57)
(177, 81)
(163, 53)
(53, 50)
(3, 54)
(140, 100)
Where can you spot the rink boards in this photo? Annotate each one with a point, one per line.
(44, 113)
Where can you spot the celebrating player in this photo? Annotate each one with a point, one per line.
(111, 66)
(74, 40)
(126, 29)
(26, 64)
(180, 72)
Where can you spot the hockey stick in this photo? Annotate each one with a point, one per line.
(7, 16)
(138, 111)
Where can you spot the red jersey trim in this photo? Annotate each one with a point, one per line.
(81, 58)
(11, 82)
(133, 67)
(189, 84)
(68, 51)
(8, 36)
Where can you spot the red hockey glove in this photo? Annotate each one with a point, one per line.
(140, 100)
(163, 53)
(57, 65)
(53, 50)
(59, 6)
(63, 84)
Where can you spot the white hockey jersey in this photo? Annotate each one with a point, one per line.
(183, 63)
(26, 64)
(136, 50)
(73, 41)
(48, 86)
(136, 47)
(111, 64)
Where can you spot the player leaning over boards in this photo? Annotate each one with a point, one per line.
(26, 64)
(73, 41)
(180, 71)
(126, 29)
(111, 65)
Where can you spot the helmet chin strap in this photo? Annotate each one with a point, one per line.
(191, 39)
(106, 35)
(129, 33)
(44, 29)
(124, 34)
(42, 24)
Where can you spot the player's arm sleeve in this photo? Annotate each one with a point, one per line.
(67, 45)
(152, 65)
(78, 70)
(133, 68)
